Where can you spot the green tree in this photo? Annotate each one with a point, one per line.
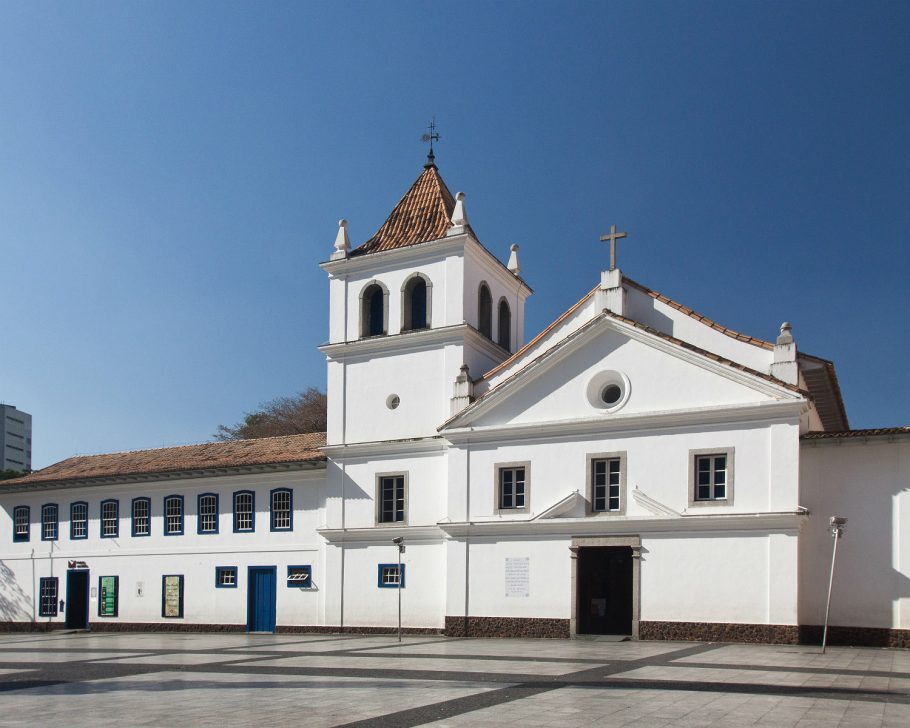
(8, 474)
(305, 412)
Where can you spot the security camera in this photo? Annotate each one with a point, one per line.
(398, 541)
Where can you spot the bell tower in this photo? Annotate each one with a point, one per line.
(407, 309)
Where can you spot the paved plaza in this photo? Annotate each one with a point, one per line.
(110, 679)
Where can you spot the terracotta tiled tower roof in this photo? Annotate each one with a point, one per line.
(423, 214)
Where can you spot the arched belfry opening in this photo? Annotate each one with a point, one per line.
(485, 311)
(374, 310)
(415, 303)
(505, 325)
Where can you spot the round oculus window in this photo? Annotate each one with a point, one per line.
(611, 394)
(608, 390)
(392, 401)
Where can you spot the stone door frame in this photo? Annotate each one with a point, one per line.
(633, 542)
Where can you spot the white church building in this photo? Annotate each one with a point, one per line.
(635, 469)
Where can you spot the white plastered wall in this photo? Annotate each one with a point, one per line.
(867, 482)
(144, 560)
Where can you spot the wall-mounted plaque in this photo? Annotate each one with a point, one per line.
(172, 596)
(518, 577)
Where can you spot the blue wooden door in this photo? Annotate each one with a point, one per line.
(261, 599)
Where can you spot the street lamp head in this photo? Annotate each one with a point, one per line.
(398, 541)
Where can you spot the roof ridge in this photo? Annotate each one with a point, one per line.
(699, 317)
(523, 350)
(708, 354)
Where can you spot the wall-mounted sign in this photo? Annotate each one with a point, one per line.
(107, 603)
(76, 565)
(172, 596)
(518, 577)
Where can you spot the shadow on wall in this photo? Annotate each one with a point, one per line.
(15, 604)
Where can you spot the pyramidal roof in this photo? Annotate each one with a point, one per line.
(423, 214)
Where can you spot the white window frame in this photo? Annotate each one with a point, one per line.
(499, 505)
(396, 496)
(713, 452)
(608, 457)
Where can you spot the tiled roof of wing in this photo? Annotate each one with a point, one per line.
(228, 454)
(853, 434)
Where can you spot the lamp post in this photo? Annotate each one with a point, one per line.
(399, 542)
(837, 525)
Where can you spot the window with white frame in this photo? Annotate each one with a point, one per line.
(226, 577)
(390, 577)
(110, 519)
(142, 508)
(173, 515)
(78, 520)
(711, 476)
(512, 490)
(281, 510)
(391, 498)
(22, 523)
(49, 522)
(47, 604)
(243, 511)
(208, 513)
(606, 484)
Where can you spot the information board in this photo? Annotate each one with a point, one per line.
(518, 576)
(172, 596)
(107, 601)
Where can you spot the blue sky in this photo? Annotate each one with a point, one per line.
(171, 174)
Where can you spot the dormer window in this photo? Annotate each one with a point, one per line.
(373, 310)
(505, 325)
(415, 304)
(485, 311)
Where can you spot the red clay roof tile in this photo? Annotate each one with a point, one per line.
(233, 453)
(423, 214)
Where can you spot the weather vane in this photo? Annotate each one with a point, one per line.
(433, 136)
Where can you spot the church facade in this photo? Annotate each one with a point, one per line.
(635, 469)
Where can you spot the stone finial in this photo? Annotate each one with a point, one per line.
(514, 265)
(786, 333)
(459, 217)
(342, 242)
(784, 364)
(463, 390)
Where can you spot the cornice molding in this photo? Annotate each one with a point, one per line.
(396, 342)
(386, 447)
(382, 534)
(439, 248)
(618, 422)
(788, 521)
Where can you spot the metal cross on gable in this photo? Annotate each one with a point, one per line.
(613, 236)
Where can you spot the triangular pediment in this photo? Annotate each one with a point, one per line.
(653, 373)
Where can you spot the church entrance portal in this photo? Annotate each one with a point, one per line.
(606, 585)
(604, 590)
